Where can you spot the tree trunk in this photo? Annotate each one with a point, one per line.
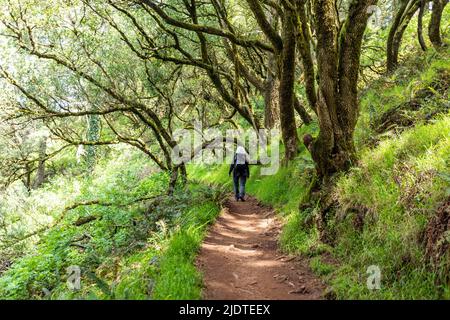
(420, 25)
(304, 115)
(407, 16)
(173, 181)
(391, 58)
(435, 23)
(27, 181)
(183, 172)
(304, 48)
(284, 48)
(92, 135)
(327, 57)
(338, 53)
(271, 98)
(40, 177)
(338, 58)
(287, 95)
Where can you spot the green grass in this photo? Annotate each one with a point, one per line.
(281, 190)
(178, 278)
(319, 267)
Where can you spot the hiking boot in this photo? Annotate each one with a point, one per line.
(242, 199)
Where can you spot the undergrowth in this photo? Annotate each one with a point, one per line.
(124, 248)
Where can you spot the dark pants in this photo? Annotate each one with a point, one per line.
(239, 185)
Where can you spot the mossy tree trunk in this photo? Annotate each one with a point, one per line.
(305, 51)
(271, 96)
(338, 56)
(420, 25)
(395, 34)
(40, 175)
(287, 95)
(434, 31)
(407, 16)
(284, 51)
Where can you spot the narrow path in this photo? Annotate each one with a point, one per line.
(240, 260)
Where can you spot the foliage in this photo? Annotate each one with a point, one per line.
(114, 251)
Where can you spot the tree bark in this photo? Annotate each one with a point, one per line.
(271, 96)
(27, 181)
(40, 177)
(173, 181)
(434, 32)
(407, 16)
(287, 80)
(391, 58)
(183, 172)
(338, 58)
(304, 48)
(420, 25)
(284, 48)
(301, 110)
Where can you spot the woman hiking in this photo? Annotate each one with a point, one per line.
(241, 172)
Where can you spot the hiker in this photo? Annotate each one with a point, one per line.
(241, 172)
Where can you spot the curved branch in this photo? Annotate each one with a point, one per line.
(265, 26)
(205, 29)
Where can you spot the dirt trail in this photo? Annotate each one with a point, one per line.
(240, 260)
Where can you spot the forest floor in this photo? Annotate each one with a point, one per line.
(240, 259)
